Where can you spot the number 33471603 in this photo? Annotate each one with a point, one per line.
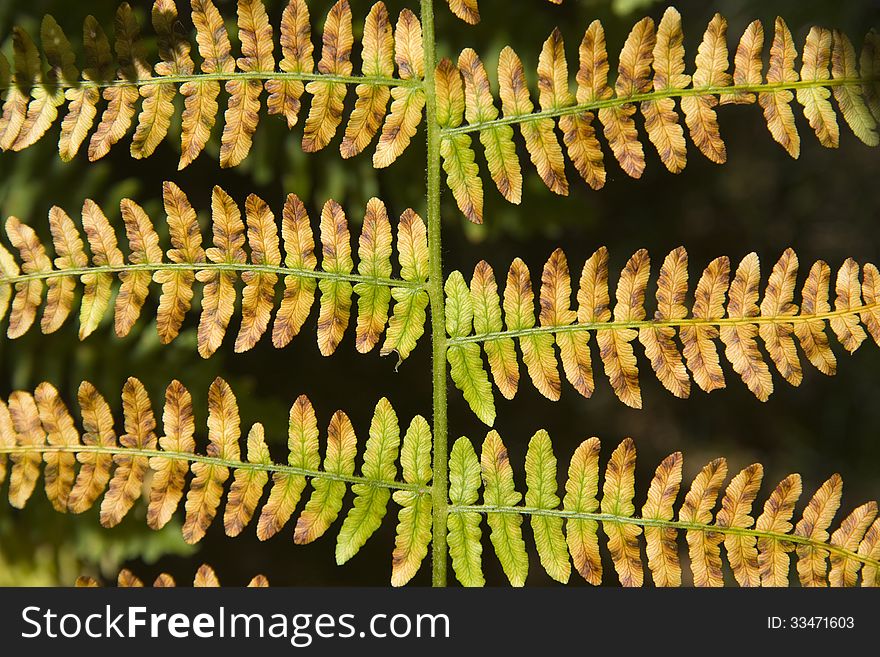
(811, 623)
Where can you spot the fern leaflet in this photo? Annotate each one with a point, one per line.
(39, 427)
(35, 96)
(651, 76)
(219, 267)
(474, 317)
(205, 577)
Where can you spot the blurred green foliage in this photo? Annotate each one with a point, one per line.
(825, 205)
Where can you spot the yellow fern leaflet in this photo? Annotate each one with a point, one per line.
(126, 485)
(678, 346)
(325, 113)
(247, 487)
(218, 302)
(408, 102)
(651, 76)
(258, 298)
(205, 577)
(144, 244)
(246, 244)
(458, 158)
(158, 104)
(121, 99)
(297, 57)
(28, 293)
(660, 542)
(286, 488)
(138, 79)
(200, 96)
(60, 432)
(206, 489)
(243, 112)
(169, 478)
(378, 60)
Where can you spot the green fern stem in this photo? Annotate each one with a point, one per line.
(618, 101)
(674, 323)
(438, 309)
(666, 524)
(210, 460)
(207, 266)
(372, 80)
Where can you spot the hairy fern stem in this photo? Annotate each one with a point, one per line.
(438, 312)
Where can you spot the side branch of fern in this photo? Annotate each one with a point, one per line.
(527, 511)
(614, 102)
(236, 268)
(189, 457)
(141, 95)
(260, 76)
(38, 428)
(800, 318)
(219, 268)
(680, 337)
(566, 532)
(651, 80)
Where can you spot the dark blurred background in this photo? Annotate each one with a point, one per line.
(824, 206)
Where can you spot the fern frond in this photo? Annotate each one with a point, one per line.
(205, 577)
(722, 307)
(219, 268)
(35, 96)
(651, 76)
(469, 11)
(758, 550)
(40, 428)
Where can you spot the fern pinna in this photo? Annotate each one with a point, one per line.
(651, 75)
(474, 317)
(38, 427)
(205, 578)
(35, 94)
(219, 267)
